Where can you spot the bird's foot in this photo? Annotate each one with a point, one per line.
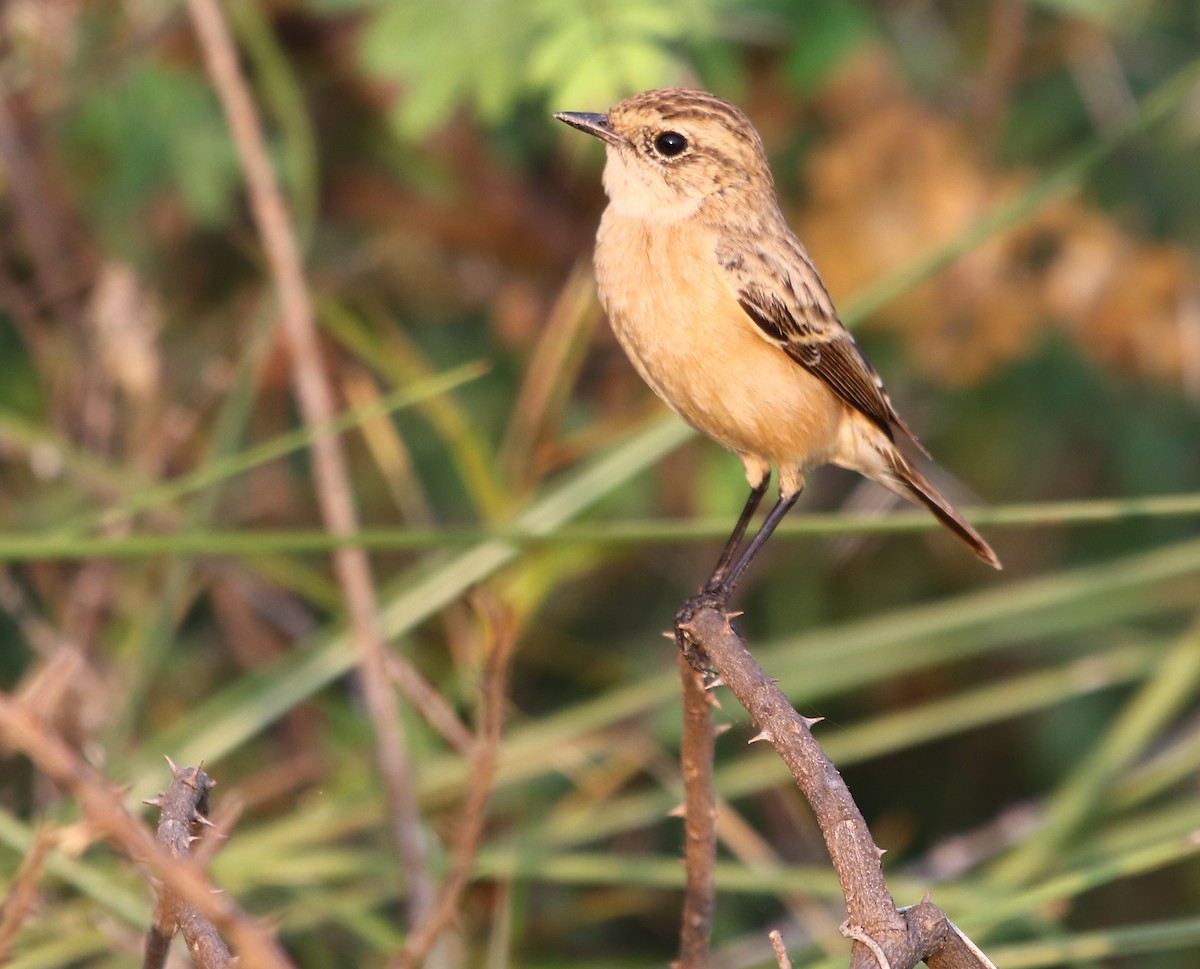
(711, 597)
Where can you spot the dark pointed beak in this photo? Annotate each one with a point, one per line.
(592, 124)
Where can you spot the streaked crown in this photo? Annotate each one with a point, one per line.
(671, 150)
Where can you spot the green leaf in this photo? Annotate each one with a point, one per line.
(160, 131)
(490, 56)
(830, 32)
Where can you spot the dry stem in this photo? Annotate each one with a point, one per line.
(501, 636)
(884, 937)
(699, 818)
(104, 808)
(184, 805)
(316, 404)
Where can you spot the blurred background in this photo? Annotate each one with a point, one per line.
(1002, 198)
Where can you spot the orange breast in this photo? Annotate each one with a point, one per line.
(684, 331)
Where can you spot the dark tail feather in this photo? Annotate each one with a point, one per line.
(912, 484)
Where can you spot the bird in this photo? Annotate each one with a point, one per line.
(722, 312)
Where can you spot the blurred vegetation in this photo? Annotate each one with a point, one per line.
(1003, 199)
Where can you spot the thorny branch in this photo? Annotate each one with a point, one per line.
(184, 805)
(104, 809)
(884, 937)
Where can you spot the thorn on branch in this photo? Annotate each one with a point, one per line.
(859, 934)
(897, 941)
(184, 806)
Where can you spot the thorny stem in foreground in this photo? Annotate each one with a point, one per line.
(105, 811)
(884, 937)
(184, 805)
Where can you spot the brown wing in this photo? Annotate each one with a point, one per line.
(790, 307)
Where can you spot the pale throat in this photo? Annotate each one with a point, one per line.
(637, 190)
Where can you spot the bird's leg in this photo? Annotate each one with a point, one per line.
(716, 594)
(724, 587)
(739, 530)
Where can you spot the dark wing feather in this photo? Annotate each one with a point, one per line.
(834, 357)
(800, 320)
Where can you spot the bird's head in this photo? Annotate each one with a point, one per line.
(674, 151)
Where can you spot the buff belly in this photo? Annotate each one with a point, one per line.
(684, 331)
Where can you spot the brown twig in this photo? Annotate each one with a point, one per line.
(56, 269)
(104, 808)
(884, 937)
(316, 405)
(551, 372)
(699, 818)
(781, 956)
(23, 894)
(431, 704)
(1007, 34)
(184, 805)
(501, 640)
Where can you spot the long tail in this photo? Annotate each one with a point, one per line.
(910, 483)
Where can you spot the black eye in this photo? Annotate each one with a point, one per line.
(670, 143)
